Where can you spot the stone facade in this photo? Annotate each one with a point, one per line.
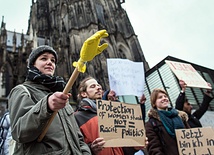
(65, 25)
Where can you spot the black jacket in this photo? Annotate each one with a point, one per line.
(196, 115)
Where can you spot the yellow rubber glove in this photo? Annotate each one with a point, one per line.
(90, 49)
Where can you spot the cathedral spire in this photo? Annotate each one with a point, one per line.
(22, 39)
(22, 42)
(2, 22)
(30, 32)
(3, 33)
(3, 25)
(14, 41)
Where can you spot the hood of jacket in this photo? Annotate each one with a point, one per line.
(153, 113)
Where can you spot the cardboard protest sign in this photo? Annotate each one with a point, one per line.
(188, 74)
(126, 77)
(120, 124)
(195, 141)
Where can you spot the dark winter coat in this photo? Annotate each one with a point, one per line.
(160, 142)
(29, 115)
(196, 115)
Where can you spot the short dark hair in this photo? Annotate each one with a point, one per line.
(185, 100)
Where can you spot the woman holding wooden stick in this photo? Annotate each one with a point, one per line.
(41, 120)
(32, 103)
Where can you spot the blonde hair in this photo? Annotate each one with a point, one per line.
(154, 96)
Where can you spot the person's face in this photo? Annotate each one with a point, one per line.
(162, 101)
(112, 96)
(187, 107)
(93, 90)
(46, 63)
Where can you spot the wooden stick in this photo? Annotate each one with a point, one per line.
(66, 90)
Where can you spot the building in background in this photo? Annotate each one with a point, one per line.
(161, 76)
(14, 48)
(65, 25)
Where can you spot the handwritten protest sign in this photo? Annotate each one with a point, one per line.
(195, 141)
(188, 74)
(126, 77)
(120, 124)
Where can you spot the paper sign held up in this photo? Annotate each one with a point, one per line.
(120, 124)
(188, 74)
(195, 141)
(126, 77)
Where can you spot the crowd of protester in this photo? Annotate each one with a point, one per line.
(32, 104)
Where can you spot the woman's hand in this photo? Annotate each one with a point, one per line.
(183, 85)
(112, 96)
(143, 99)
(58, 100)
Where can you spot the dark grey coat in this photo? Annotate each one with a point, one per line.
(29, 115)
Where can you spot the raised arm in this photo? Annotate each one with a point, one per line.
(179, 104)
(205, 103)
(143, 107)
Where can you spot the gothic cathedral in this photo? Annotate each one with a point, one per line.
(65, 25)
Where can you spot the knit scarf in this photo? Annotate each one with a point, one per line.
(92, 103)
(171, 120)
(54, 83)
(86, 104)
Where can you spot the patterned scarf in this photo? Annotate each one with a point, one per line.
(171, 120)
(54, 83)
(86, 104)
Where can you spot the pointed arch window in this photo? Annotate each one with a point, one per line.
(121, 54)
(100, 13)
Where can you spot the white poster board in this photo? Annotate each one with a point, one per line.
(207, 119)
(188, 74)
(126, 77)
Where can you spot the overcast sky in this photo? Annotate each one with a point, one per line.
(180, 28)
